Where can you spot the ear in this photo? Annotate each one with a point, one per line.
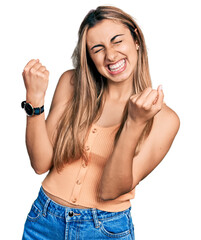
(136, 44)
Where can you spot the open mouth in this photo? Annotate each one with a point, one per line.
(117, 67)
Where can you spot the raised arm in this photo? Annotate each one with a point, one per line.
(123, 170)
(39, 132)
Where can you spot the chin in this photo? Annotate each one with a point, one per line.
(121, 77)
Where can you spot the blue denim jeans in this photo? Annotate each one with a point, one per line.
(48, 220)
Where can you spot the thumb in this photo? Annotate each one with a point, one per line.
(160, 94)
(160, 87)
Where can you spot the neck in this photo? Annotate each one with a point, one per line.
(119, 91)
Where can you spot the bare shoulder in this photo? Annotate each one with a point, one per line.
(62, 95)
(64, 89)
(167, 117)
(165, 127)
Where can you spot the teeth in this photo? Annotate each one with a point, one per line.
(117, 66)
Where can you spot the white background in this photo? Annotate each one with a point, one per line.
(167, 202)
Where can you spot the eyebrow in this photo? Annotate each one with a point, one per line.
(112, 39)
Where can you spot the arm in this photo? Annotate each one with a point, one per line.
(165, 127)
(117, 175)
(38, 145)
(124, 171)
(39, 132)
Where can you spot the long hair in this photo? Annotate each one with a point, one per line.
(87, 101)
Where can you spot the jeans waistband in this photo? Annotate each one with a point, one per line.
(48, 205)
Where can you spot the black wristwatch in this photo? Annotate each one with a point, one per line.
(30, 110)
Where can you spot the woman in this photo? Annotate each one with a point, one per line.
(107, 129)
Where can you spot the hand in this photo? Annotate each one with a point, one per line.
(36, 79)
(143, 106)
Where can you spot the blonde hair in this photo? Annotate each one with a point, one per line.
(87, 102)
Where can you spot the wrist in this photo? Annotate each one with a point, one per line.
(35, 101)
(130, 123)
(131, 133)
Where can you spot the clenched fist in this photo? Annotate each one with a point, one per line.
(143, 106)
(36, 79)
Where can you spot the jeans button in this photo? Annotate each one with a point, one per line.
(70, 213)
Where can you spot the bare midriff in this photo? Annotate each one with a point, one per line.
(62, 202)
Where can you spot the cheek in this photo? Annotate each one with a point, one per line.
(97, 60)
(129, 49)
(133, 54)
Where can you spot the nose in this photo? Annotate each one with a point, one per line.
(111, 55)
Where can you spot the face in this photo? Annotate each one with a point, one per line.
(113, 50)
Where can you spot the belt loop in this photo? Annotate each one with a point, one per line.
(95, 218)
(45, 207)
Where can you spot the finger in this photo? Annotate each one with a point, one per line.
(160, 97)
(141, 95)
(42, 69)
(143, 100)
(35, 67)
(146, 92)
(160, 87)
(30, 64)
(46, 72)
(151, 98)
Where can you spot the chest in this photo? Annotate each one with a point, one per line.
(111, 115)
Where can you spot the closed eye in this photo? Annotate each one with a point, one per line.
(102, 48)
(118, 42)
(98, 50)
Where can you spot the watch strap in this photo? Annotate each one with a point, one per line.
(38, 110)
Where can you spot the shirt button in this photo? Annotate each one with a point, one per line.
(87, 148)
(78, 182)
(74, 200)
(94, 130)
(84, 164)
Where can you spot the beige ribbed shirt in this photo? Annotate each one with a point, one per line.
(78, 182)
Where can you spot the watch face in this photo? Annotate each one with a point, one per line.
(29, 109)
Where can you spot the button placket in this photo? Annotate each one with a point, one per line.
(92, 135)
(78, 184)
(76, 190)
(84, 166)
